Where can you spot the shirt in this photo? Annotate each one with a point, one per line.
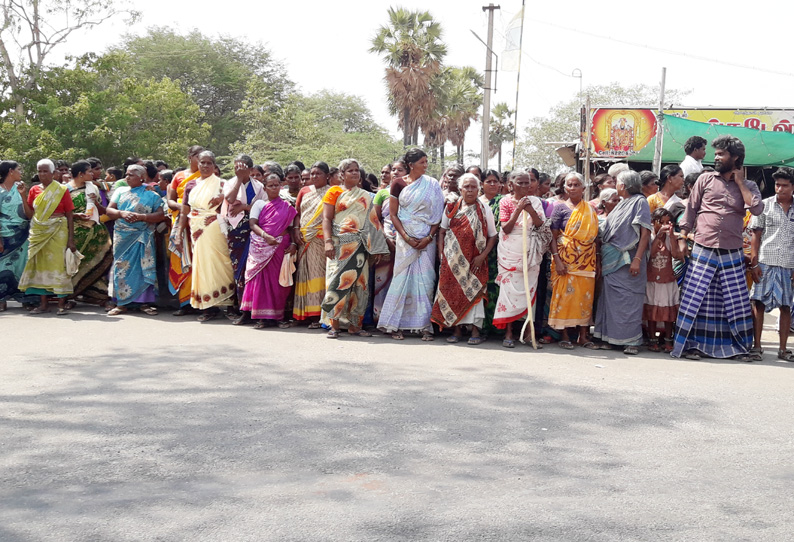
(778, 233)
(65, 205)
(690, 165)
(716, 210)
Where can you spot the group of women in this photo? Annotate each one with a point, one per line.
(474, 254)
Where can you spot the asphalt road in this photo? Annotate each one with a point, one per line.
(163, 429)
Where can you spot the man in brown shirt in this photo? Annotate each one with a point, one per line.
(715, 317)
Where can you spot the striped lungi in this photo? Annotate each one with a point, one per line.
(775, 289)
(715, 316)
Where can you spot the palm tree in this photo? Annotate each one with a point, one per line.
(501, 128)
(412, 50)
(464, 95)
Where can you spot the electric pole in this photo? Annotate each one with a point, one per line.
(486, 102)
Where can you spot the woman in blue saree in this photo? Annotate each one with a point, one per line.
(133, 277)
(14, 227)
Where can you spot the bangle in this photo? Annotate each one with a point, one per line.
(555, 253)
(637, 258)
(753, 266)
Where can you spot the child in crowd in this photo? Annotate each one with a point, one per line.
(661, 291)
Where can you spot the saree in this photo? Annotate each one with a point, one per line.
(49, 235)
(384, 269)
(179, 283)
(511, 305)
(240, 231)
(618, 319)
(14, 228)
(357, 234)
(459, 288)
(92, 239)
(572, 293)
(409, 302)
(310, 275)
(212, 274)
(134, 272)
(263, 295)
(493, 271)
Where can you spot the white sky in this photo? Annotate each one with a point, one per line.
(325, 44)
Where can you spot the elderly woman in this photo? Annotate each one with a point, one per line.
(671, 180)
(91, 236)
(308, 233)
(179, 283)
(609, 199)
(213, 284)
(624, 240)
(136, 211)
(271, 226)
(416, 208)
(525, 231)
(351, 232)
(15, 212)
(574, 227)
(466, 237)
(51, 233)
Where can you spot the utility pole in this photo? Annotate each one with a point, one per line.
(486, 103)
(657, 151)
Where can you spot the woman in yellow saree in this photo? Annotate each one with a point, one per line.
(51, 233)
(352, 233)
(213, 282)
(574, 226)
(179, 283)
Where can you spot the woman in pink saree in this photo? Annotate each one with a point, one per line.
(271, 239)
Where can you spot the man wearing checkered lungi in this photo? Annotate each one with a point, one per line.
(715, 318)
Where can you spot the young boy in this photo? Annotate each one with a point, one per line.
(772, 261)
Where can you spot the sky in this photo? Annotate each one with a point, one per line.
(724, 55)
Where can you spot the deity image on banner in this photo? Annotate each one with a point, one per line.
(622, 136)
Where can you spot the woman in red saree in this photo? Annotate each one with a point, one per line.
(467, 235)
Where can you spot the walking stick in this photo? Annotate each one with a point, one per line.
(530, 313)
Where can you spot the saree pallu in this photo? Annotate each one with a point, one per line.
(134, 252)
(511, 305)
(93, 242)
(357, 234)
(310, 274)
(46, 267)
(179, 283)
(409, 302)
(572, 293)
(212, 274)
(14, 228)
(714, 317)
(459, 288)
(264, 296)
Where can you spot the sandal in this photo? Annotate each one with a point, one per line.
(508, 343)
(284, 324)
(566, 345)
(116, 311)
(397, 336)
(151, 311)
(181, 312)
(62, 312)
(260, 324)
(785, 355)
(359, 333)
(71, 304)
(631, 350)
(653, 346)
(427, 337)
(207, 316)
(590, 345)
(39, 310)
(693, 355)
(546, 339)
(453, 339)
(474, 341)
(240, 320)
(668, 345)
(315, 325)
(333, 334)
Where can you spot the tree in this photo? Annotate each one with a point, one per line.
(562, 124)
(501, 130)
(413, 51)
(465, 98)
(96, 108)
(32, 29)
(215, 72)
(324, 126)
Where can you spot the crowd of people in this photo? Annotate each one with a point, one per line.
(685, 264)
